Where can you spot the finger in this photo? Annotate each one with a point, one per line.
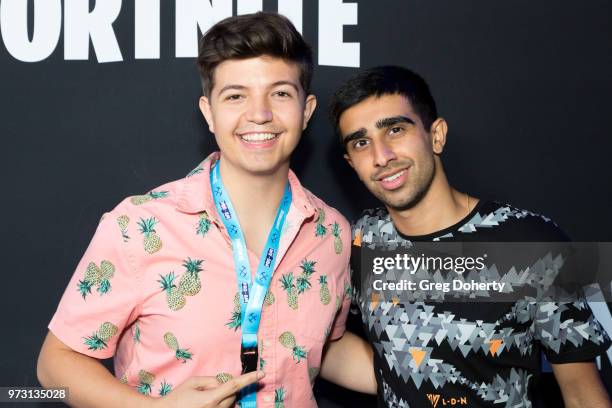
(236, 384)
(227, 402)
(202, 383)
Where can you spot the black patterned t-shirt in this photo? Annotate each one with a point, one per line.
(478, 354)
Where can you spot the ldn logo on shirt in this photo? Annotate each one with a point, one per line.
(435, 399)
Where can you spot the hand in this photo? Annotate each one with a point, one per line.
(207, 392)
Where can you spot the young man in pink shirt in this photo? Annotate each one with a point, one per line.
(236, 268)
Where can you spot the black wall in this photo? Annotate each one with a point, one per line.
(525, 87)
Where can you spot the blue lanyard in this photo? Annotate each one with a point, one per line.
(251, 294)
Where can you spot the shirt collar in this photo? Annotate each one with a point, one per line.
(195, 195)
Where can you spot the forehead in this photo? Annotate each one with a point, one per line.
(366, 113)
(253, 72)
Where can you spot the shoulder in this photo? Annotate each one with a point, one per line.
(515, 223)
(158, 201)
(371, 217)
(373, 224)
(324, 213)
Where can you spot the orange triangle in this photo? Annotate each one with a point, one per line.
(357, 240)
(417, 355)
(495, 344)
(395, 300)
(375, 300)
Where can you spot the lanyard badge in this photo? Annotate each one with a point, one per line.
(251, 294)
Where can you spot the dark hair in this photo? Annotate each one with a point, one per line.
(250, 36)
(384, 80)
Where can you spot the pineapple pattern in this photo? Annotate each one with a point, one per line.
(92, 278)
(153, 195)
(203, 224)
(175, 299)
(324, 295)
(99, 340)
(348, 290)
(179, 353)
(96, 276)
(164, 388)
(190, 284)
(320, 228)
(222, 378)
(269, 299)
(146, 381)
(336, 230)
(195, 171)
(287, 339)
(169, 281)
(107, 271)
(236, 319)
(289, 287)
(152, 242)
(303, 281)
(262, 362)
(136, 335)
(123, 221)
(279, 397)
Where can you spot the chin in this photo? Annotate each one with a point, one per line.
(262, 169)
(399, 199)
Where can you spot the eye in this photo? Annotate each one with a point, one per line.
(396, 130)
(233, 97)
(282, 94)
(360, 144)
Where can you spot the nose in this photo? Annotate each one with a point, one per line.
(383, 154)
(259, 110)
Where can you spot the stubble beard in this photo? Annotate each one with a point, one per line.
(413, 195)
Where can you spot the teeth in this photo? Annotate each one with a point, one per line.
(257, 137)
(395, 176)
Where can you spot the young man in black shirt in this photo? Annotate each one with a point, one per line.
(441, 353)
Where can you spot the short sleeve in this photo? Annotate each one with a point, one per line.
(102, 296)
(568, 332)
(344, 304)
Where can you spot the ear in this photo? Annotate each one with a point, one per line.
(438, 135)
(348, 160)
(207, 112)
(309, 108)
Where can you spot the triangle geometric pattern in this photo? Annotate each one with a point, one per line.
(406, 334)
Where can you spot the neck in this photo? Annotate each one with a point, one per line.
(255, 197)
(440, 207)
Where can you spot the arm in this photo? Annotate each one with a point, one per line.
(348, 362)
(89, 382)
(581, 386)
(91, 385)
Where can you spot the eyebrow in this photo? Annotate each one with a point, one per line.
(291, 84)
(380, 124)
(358, 134)
(273, 85)
(228, 87)
(393, 120)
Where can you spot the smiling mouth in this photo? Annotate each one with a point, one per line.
(258, 137)
(393, 176)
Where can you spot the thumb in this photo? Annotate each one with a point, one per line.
(237, 383)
